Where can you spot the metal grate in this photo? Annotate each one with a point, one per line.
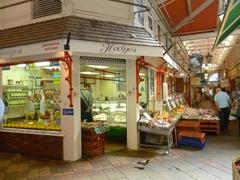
(43, 8)
(102, 61)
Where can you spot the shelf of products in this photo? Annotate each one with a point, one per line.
(160, 126)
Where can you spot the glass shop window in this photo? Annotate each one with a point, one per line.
(31, 94)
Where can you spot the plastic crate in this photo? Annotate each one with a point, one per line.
(191, 142)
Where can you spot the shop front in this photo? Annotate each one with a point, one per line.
(41, 86)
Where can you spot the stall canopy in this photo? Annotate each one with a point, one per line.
(87, 30)
(231, 21)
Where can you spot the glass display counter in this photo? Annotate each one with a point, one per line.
(113, 113)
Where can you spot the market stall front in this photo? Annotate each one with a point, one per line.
(45, 101)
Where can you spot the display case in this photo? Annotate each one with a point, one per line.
(14, 97)
(157, 130)
(113, 113)
(28, 108)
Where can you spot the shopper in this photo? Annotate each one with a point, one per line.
(2, 109)
(223, 104)
(86, 103)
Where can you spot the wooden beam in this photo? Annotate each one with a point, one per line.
(189, 5)
(193, 14)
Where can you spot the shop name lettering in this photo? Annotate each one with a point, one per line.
(10, 52)
(50, 46)
(116, 48)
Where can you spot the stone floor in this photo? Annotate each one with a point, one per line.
(212, 163)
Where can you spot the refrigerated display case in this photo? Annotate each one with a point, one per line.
(113, 113)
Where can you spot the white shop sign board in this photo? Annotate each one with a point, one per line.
(77, 46)
(31, 50)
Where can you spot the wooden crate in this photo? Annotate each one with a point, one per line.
(92, 144)
(192, 134)
(188, 125)
(209, 126)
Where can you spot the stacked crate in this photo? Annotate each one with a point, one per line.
(188, 133)
(209, 126)
(92, 144)
(191, 138)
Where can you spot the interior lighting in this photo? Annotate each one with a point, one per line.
(89, 73)
(98, 67)
(182, 74)
(21, 65)
(142, 74)
(42, 64)
(109, 75)
(52, 67)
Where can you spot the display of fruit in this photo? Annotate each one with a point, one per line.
(33, 125)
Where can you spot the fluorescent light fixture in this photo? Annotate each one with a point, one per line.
(141, 74)
(108, 75)
(98, 66)
(42, 64)
(182, 74)
(89, 73)
(21, 65)
(52, 67)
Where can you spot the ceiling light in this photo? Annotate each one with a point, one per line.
(89, 73)
(108, 75)
(98, 66)
(21, 65)
(52, 67)
(141, 74)
(182, 74)
(41, 64)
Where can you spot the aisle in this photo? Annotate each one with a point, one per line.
(214, 162)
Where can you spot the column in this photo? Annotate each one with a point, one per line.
(71, 123)
(132, 112)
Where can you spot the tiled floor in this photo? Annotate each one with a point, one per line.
(212, 163)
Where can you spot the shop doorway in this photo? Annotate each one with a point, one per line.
(107, 81)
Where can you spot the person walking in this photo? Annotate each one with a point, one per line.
(223, 104)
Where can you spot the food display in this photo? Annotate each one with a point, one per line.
(34, 103)
(111, 113)
(203, 114)
(33, 125)
(98, 127)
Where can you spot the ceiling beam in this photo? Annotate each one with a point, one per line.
(193, 14)
(205, 35)
(189, 5)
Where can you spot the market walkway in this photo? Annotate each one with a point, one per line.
(214, 162)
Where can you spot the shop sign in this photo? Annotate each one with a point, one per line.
(108, 48)
(13, 52)
(68, 112)
(50, 46)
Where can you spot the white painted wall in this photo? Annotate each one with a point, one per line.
(104, 10)
(71, 125)
(99, 9)
(132, 115)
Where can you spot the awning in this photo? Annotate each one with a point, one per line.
(231, 21)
